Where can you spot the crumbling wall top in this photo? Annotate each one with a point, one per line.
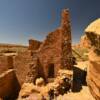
(65, 18)
(34, 44)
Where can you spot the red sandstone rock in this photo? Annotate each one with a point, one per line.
(93, 78)
(6, 62)
(84, 42)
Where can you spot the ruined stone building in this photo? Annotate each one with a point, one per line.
(46, 58)
(43, 59)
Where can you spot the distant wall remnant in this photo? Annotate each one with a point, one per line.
(6, 62)
(34, 44)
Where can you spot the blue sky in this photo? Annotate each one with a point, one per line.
(24, 19)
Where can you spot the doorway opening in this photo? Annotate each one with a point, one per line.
(51, 73)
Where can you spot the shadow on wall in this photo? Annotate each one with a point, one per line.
(79, 79)
(10, 85)
(40, 72)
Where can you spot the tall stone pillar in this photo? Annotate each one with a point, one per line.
(66, 40)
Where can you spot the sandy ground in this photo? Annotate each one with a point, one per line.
(82, 64)
(84, 94)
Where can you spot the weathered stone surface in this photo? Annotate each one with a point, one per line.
(9, 86)
(27, 89)
(94, 27)
(93, 78)
(6, 62)
(40, 82)
(22, 65)
(61, 85)
(93, 34)
(30, 92)
(34, 44)
(35, 71)
(84, 42)
(28, 68)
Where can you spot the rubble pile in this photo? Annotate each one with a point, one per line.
(61, 85)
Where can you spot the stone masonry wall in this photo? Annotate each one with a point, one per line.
(6, 62)
(34, 44)
(54, 53)
(56, 49)
(66, 40)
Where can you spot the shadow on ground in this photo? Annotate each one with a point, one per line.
(79, 79)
